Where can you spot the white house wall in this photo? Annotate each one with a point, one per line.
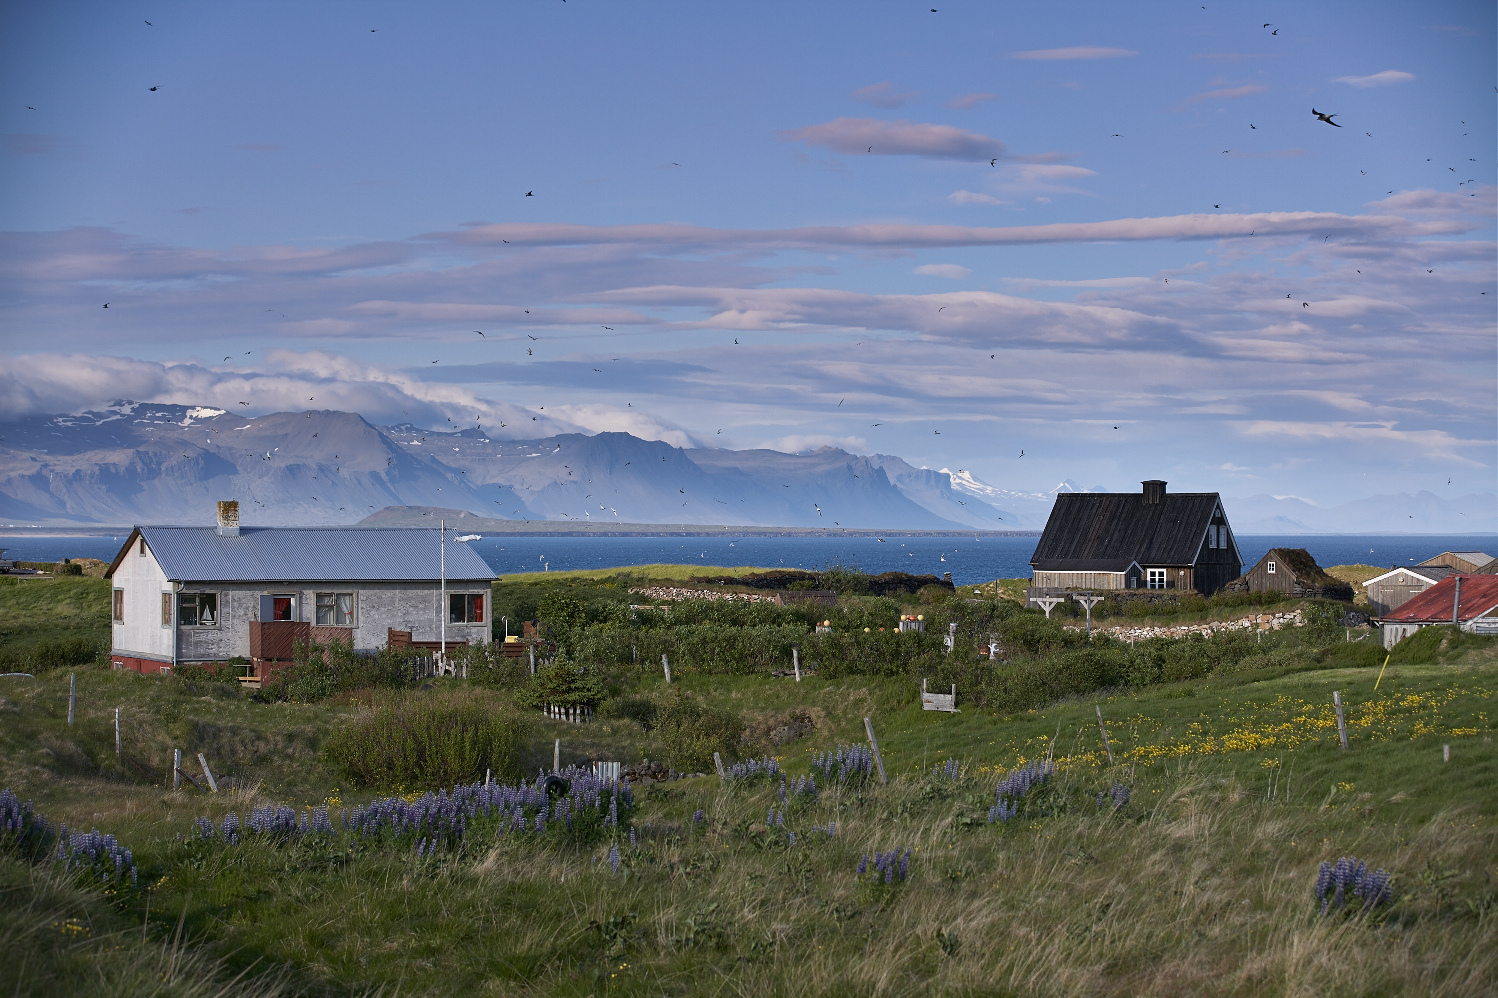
(141, 634)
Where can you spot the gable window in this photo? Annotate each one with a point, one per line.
(1269, 568)
(335, 609)
(465, 608)
(1156, 578)
(197, 610)
(142, 547)
(119, 606)
(166, 609)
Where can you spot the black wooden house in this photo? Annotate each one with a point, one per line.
(1152, 539)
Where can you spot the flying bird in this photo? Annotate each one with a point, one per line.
(1021, 453)
(528, 352)
(1320, 116)
(533, 337)
(481, 333)
(530, 194)
(106, 304)
(609, 328)
(992, 162)
(154, 89)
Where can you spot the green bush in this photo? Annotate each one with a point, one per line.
(52, 653)
(561, 684)
(640, 709)
(690, 731)
(319, 671)
(1437, 643)
(421, 741)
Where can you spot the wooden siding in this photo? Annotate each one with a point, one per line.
(1080, 580)
(1394, 592)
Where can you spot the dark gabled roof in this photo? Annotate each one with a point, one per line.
(1431, 574)
(1301, 562)
(1117, 528)
(1479, 596)
(305, 554)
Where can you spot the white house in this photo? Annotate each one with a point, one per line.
(209, 594)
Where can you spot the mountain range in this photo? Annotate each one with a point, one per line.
(136, 462)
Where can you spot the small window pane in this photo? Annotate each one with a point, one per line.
(477, 616)
(325, 609)
(207, 609)
(166, 609)
(187, 611)
(119, 605)
(343, 614)
(281, 607)
(1270, 569)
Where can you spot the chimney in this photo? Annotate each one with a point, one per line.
(1456, 602)
(228, 518)
(1154, 489)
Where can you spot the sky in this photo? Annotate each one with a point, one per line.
(1111, 238)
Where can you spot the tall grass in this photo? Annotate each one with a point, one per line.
(422, 740)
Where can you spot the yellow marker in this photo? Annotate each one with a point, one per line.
(1381, 671)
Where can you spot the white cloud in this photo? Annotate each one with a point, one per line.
(1076, 52)
(883, 95)
(1377, 79)
(598, 418)
(972, 197)
(952, 271)
(867, 136)
(966, 102)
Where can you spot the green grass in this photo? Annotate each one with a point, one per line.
(1201, 884)
(35, 610)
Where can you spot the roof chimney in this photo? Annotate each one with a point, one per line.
(1154, 489)
(228, 518)
(1456, 602)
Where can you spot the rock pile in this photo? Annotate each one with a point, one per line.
(647, 771)
(1207, 628)
(675, 593)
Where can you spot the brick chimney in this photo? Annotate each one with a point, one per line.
(1154, 490)
(228, 518)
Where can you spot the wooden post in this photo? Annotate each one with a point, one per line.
(487, 773)
(1341, 723)
(117, 752)
(868, 726)
(1445, 753)
(796, 661)
(718, 761)
(533, 658)
(1106, 747)
(666, 664)
(176, 769)
(556, 757)
(72, 695)
(212, 783)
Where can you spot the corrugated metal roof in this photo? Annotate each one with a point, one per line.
(1120, 527)
(1479, 595)
(309, 554)
(1426, 572)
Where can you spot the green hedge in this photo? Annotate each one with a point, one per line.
(424, 741)
(53, 653)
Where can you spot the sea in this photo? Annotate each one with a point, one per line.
(970, 559)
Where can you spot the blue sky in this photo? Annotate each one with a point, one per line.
(988, 229)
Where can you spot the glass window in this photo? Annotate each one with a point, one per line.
(1156, 578)
(197, 610)
(166, 609)
(465, 608)
(283, 608)
(119, 606)
(1270, 568)
(335, 609)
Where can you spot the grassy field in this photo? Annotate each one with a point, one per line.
(1201, 882)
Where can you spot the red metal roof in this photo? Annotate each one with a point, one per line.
(1479, 595)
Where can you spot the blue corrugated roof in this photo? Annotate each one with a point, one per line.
(310, 554)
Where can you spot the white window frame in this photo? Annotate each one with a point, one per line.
(1156, 578)
(1269, 568)
(332, 597)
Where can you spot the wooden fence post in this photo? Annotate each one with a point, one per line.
(212, 783)
(868, 726)
(117, 753)
(1341, 723)
(796, 661)
(1445, 753)
(718, 761)
(666, 664)
(1106, 747)
(556, 757)
(72, 695)
(176, 769)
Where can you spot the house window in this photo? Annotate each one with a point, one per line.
(1156, 578)
(119, 606)
(465, 608)
(277, 607)
(1269, 568)
(197, 610)
(335, 609)
(142, 547)
(166, 609)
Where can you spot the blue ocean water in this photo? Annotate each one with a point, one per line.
(969, 559)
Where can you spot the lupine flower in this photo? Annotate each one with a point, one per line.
(614, 856)
(792, 836)
(1374, 888)
(863, 865)
(699, 816)
(631, 836)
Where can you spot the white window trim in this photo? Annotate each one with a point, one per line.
(353, 607)
(1154, 575)
(1269, 568)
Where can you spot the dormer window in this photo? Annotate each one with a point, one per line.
(1270, 568)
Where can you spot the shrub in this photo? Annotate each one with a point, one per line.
(691, 731)
(53, 653)
(641, 710)
(418, 740)
(1436, 643)
(561, 684)
(319, 671)
(561, 609)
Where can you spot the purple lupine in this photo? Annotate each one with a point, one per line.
(1350, 872)
(614, 856)
(631, 836)
(699, 816)
(863, 865)
(792, 836)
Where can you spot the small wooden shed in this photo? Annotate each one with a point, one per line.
(1294, 572)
